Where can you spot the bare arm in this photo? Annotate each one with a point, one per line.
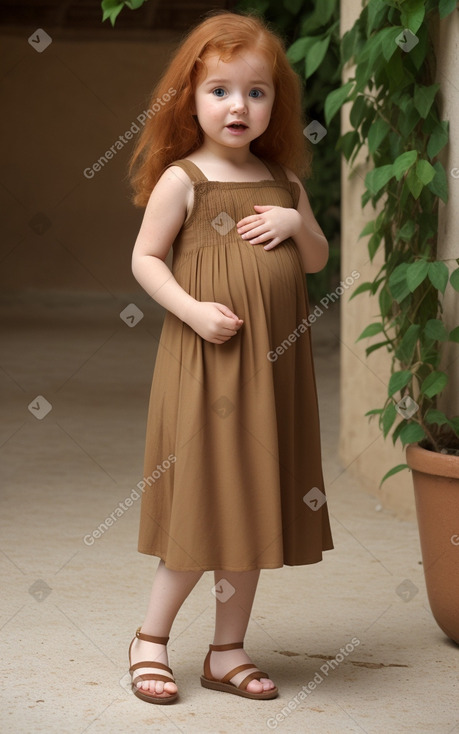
(309, 238)
(163, 218)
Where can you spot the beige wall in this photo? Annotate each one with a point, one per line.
(363, 450)
(62, 109)
(447, 44)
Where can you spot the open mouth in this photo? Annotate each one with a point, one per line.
(237, 126)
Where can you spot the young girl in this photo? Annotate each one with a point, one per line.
(233, 477)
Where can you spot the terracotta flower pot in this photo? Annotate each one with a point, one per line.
(436, 491)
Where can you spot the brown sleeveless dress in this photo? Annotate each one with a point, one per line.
(233, 437)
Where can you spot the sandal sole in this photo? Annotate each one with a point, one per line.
(215, 685)
(162, 700)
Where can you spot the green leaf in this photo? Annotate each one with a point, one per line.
(111, 8)
(453, 334)
(402, 100)
(415, 274)
(408, 121)
(369, 228)
(415, 185)
(370, 50)
(316, 55)
(373, 347)
(335, 100)
(404, 162)
(387, 40)
(299, 49)
(377, 10)
(407, 231)
(393, 471)
(434, 384)
(388, 418)
(399, 380)
(454, 279)
(348, 44)
(374, 411)
(378, 177)
(348, 142)
(397, 283)
(323, 11)
(359, 110)
(424, 97)
(362, 288)
(370, 330)
(425, 171)
(435, 329)
(439, 184)
(436, 416)
(373, 244)
(412, 14)
(411, 433)
(438, 139)
(438, 275)
(134, 4)
(385, 301)
(405, 349)
(377, 133)
(446, 7)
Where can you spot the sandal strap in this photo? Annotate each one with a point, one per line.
(150, 664)
(256, 675)
(151, 638)
(151, 676)
(245, 666)
(230, 646)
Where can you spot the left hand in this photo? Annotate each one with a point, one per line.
(275, 223)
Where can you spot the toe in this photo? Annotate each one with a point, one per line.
(267, 684)
(170, 688)
(255, 686)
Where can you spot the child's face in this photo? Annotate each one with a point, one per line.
(239, 90)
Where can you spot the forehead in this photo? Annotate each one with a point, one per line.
(250, 65)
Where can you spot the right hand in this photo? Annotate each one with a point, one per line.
(214, 322)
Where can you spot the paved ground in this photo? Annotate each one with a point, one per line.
(350, 641)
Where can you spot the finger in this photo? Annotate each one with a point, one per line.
(227, 311)
(261, 238)
(272, 244)
(262, 208)
(248, 228)
(256, 232)
(247, 220)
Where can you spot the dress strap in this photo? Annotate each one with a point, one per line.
(275, 169)
(190, 168)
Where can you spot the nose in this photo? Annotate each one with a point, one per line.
(238, 103)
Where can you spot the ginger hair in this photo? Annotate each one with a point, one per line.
(173, 132)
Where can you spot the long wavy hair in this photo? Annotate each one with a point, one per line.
(172, 132)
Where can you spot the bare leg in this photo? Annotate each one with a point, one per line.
(169, 591)
(231, 620)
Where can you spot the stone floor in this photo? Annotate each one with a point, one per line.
(350, 641)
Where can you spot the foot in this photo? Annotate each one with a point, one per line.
(221, 662)
(151, 651)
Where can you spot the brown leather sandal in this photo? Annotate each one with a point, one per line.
(144, 695)
(224, 684)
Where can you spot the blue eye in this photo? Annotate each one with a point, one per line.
(258, 93)
(216, 92)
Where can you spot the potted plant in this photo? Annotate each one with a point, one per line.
(395, 112)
